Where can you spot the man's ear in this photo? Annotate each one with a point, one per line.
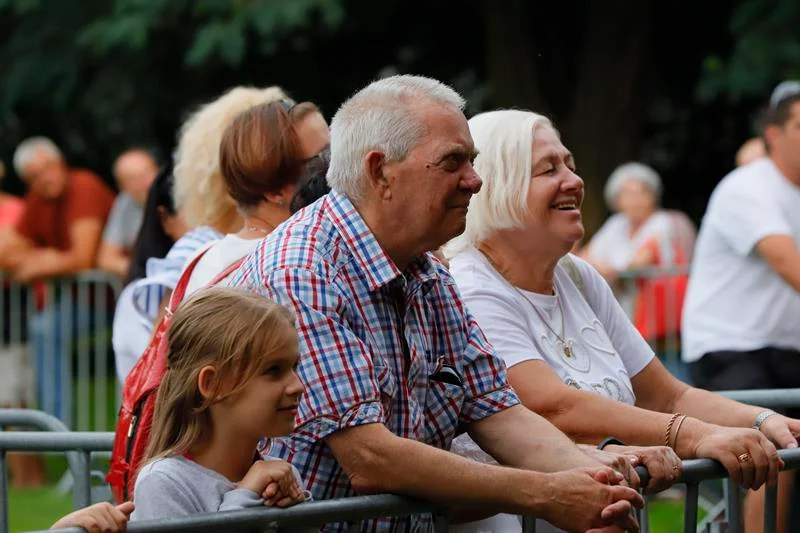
(375, 169)
(771, 134)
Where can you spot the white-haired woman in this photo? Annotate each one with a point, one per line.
(203, 204)
(572, 354)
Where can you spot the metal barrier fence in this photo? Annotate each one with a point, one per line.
(56, 340)
(80, 445)
(653, 299)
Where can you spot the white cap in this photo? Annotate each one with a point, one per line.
(784, 90)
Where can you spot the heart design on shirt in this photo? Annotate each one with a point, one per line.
(595, 336)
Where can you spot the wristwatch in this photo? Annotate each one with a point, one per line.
(760, 417)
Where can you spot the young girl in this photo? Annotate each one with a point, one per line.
(230, 382)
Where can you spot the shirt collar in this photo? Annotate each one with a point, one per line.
(372, 261)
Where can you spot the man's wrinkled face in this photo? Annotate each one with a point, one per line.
(432, 186)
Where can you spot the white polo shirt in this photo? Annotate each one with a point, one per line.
(735, 301)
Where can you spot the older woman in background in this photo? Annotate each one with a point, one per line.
(572, 354)
(640, 235)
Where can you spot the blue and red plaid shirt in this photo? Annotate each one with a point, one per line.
(371, 338)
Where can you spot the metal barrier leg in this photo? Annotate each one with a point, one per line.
(770, 509)
(644, 517)
(82, 495)
(690, 511)
(3, 493)
(734, 512)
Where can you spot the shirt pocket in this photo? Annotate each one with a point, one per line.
(443, 404)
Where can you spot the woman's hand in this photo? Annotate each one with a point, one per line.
(782, 431)
(749, 457)
(623, 463)
(662, 463)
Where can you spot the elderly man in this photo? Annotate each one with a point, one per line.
(393, 364)
(135, 170)
(58, 235)
(65, 210)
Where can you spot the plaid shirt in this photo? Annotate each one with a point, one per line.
(371, 338)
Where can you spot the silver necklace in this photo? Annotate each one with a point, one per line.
(562, 338)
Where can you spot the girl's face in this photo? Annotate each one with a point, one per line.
(266, 407)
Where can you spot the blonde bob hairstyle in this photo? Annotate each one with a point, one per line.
(198, 190)
(503, 139)
(235, 331)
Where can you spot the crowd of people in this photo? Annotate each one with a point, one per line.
(399, 302)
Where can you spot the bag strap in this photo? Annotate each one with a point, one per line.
(183, 282)
(230, 269)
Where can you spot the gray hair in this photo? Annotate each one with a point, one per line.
(380, 117)
(631, 171)
(28, 148)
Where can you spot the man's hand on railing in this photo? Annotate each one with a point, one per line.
(623, 463)
(583, 499)
(98, 518)
(662, 464)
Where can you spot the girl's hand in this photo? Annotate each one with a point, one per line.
(275, 482)
(98, 518)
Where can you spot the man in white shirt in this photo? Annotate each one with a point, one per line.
(742, 310)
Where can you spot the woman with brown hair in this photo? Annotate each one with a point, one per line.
(262, 156)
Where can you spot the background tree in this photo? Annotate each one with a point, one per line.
(674, 84)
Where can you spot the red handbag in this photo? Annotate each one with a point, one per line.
(135, 416)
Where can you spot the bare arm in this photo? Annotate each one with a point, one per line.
(84, 236)
(520, 438)
(13, 248)
(112, 258)
(782, 255)
(378, 461)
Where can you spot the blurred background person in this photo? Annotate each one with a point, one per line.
(137, 304)
(15, 372)
(751, 150)
(740, 323)
(134, 170)
(57, 235)
(641, 234)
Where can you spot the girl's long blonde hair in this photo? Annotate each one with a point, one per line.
(230, 329)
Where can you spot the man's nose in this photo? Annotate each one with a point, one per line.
(471, 182)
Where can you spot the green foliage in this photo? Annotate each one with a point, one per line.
(766, 50)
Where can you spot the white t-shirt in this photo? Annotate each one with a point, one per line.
(614, 245)
(608, 351)
(220, 255)
(735, 301)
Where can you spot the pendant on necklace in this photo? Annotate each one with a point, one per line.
(567, 349)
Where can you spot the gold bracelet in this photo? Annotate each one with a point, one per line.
(668, 433)
(677, 430)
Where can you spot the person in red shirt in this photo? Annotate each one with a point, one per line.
(57, 235)
(65, 211)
